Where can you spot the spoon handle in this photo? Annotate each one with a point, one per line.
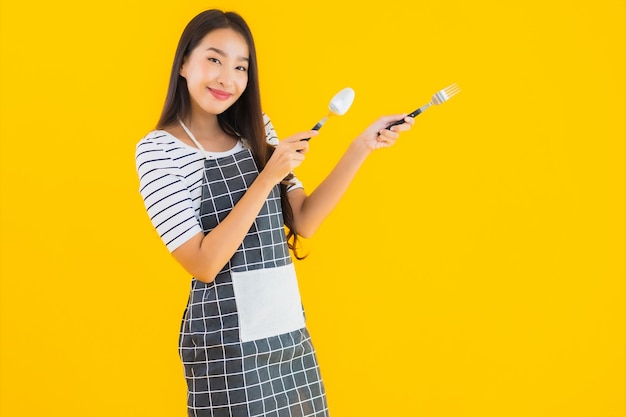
(319, 125)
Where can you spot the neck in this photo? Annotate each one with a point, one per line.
(203, 125)
(207, 131)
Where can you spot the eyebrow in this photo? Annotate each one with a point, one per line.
(219, 51)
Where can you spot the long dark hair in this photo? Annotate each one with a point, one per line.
(245, 117)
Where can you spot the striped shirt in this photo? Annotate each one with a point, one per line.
(170, 182)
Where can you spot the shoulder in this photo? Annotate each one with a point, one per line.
(160, 150)
(154, 140)
(160, 141)
(152, 148)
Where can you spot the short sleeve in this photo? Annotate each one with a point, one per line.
(166, 197)
(272, 139)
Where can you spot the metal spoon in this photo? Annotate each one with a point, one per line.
(338, 106)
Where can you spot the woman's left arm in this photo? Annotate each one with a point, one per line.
(310, 211)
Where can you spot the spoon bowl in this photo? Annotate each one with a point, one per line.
(338, 106)
(341, 102)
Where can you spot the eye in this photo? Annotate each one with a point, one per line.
(241, 68)
(215, 60)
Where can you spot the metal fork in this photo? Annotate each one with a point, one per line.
(438, 98)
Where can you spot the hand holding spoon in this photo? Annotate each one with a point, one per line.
(338, 106)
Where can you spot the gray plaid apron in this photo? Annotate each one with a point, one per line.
(243, 342)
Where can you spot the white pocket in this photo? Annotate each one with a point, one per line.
(268, 302)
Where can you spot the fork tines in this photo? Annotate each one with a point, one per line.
(445, 94)
(451, 90)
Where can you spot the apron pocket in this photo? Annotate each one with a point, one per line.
(268, 302)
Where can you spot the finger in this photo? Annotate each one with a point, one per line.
(380, 145)
(408, 123)
(297, 157)
(387, 120)
(301, 146)
(387, 134)
(394, 117)
(302, 136)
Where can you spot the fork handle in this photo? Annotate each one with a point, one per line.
(399, 122)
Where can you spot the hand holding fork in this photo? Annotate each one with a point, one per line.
(437, 99)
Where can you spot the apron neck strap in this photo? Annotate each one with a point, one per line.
(193, 138)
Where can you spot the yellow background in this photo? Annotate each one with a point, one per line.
(475, 269)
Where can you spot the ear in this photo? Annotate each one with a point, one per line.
(183, 69)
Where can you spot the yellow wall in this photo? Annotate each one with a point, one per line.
(475, 269)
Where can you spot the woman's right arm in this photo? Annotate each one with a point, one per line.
(203, 256)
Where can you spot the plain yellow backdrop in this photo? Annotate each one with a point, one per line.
(474, 269)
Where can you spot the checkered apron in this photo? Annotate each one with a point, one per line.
(243, 343)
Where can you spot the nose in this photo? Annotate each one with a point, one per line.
(225, 78)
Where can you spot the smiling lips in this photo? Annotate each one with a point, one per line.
(219, 94)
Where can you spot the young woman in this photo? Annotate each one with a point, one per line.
(219, 189)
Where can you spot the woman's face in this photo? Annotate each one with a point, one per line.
(217, 71)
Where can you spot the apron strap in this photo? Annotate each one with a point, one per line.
(193, 138)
